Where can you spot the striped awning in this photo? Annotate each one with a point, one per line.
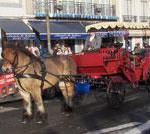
(117, 25)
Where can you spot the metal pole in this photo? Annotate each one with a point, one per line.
(48, 27)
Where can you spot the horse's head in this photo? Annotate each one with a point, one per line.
(9, 59)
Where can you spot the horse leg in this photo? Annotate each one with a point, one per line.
(27, 112)
(41, 116)
(67, 90)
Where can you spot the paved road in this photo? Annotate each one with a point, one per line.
(87, 118)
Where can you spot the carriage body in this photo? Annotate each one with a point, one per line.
(97, 64)
(115, 63)
(109, 70)
(110, 62)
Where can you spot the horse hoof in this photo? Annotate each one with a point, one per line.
(23, 122)
(41, 118)
(26, 119)
(65, 114)
(68, 109)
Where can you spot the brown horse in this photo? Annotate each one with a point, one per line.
(33, 74)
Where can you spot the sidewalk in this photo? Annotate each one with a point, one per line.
(10, 98)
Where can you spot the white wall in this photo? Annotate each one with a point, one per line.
(12, 8)
(136, 8)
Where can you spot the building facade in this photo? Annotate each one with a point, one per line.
(13, 20)
(83, 11)
(135, 11)
(77, 11)
(16, 8)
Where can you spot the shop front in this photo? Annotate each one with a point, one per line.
(140, 36)
(72, 34)
(16, 31)
(128, 33)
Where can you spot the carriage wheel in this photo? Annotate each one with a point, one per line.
(115, 94)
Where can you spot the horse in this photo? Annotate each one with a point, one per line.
(32, 75)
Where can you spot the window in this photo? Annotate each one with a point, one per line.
(105, 1)
(144, 4)
(127, 7)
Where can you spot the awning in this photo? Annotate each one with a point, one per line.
(139, 33)
(17, 30)
(117, 25)
(60, 30)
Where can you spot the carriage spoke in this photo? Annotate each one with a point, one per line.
(115, 94)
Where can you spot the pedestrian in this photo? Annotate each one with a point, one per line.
(34, 50)
(92, 42)
(145, 45)
(128, 46)
(57, 49)
(137, 48)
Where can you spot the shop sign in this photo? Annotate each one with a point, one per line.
(20, 36)
(64, 36)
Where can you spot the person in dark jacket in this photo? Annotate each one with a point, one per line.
(93, 42)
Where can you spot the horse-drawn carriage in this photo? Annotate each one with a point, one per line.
(109, 70)
(106, 70)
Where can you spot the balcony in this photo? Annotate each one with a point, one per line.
(75, 10)
(129, 18)
(144, 19)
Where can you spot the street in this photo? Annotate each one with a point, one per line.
(91, 116)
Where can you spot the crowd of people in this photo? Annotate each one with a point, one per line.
(138, 47)
(92, 43)
(61, 49)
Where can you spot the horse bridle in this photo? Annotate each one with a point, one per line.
(35, 75)
(20, 74)
(14, 63)
(14, 60)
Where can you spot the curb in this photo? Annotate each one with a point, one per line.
(141, 129)
(10, 99)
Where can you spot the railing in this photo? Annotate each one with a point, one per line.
(74, 8)
(129, 18)
(144, 18)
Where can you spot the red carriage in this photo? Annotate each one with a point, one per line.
(109, 70)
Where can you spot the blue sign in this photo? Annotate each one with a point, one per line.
(21, 36)
(112, 33)
(64, 36)
(103, 34)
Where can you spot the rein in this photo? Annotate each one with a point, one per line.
(20, 72)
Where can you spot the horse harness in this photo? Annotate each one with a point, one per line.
(41, 77)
